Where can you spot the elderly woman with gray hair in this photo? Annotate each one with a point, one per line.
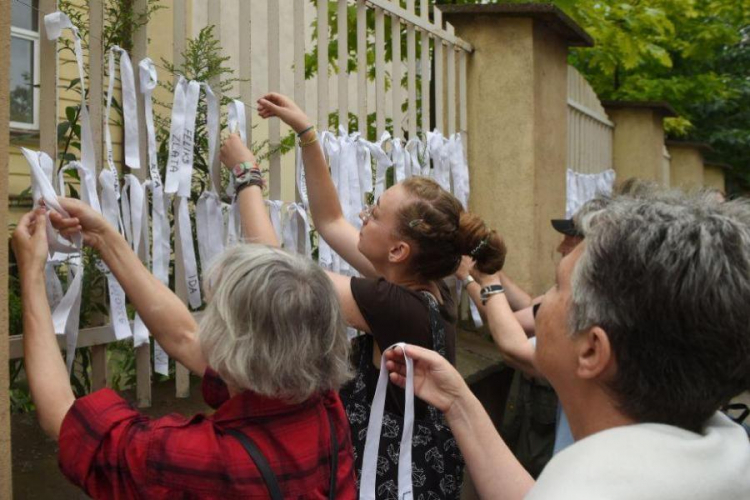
(273, 333)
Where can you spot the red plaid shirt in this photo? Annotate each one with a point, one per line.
(112, 451)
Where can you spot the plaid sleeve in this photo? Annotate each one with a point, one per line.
(215, 390)
(103, 445)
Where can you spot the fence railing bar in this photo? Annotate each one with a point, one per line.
(451, 56)
(420, 22)
(424, 38)
(143, 352)
(47, 84)
(179, 36)
(379, 71)
(463, 117)
(274, 83)
(95, 88)
(411, 76)
(397, 73)
(590, 112)
(362, 67)
(322, 63)
(343, 56)
(246, 67)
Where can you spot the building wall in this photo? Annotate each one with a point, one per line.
(639, 144)
(713, 177)
(686, 169)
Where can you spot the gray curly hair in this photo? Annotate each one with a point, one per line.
(273, 324)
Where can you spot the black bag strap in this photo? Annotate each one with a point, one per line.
(260, 462)
(265, 469)
(334, 457)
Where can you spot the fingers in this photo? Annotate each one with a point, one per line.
(24, 227)
(40, 224)
(397, 379)
(64, 223)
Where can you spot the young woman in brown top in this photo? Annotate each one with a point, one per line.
(411, 238)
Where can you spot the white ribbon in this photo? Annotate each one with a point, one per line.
(436, 145)
(209, 218)
(370, 456)
(192, 95)
(65, 316)
(382, 162)
(274, 211)
(209, 221)
(364, 167)
(233, 224)
(296, 232)
(161, 231)
(175, 138)
(398, 157)
(192, 281)
(583, 187)
(459, 169)
(54, 23)
(110, 209)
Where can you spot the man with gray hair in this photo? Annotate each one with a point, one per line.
(645, 335)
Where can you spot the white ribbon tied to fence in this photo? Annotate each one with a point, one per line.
(179, 178)
(160, 223)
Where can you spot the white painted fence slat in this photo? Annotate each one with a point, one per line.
(179, 21)
(274, 85)
(322, 63)
(362, 67)
(47, 84)
(343, 57)
(246, 69)
(397, 95)
(411, 54)
(451, 56)
(425, 67)
(379, 71)
(439, 75)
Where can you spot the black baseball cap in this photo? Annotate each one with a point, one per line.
(566, 227)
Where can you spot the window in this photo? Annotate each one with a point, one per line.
(24, 66)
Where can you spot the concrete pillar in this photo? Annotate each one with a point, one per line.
(639, 139)
(6, 490)
(686, 169)
(714, 175)
(517, 126)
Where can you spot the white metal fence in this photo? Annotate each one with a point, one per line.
(590, 132)
(435, 88)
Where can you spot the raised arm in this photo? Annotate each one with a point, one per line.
(256, 225)
(490, 462)
(325, 206)
(165, 315)
(45, 369)
(509, 336)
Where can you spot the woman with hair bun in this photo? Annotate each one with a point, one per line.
(411, 238)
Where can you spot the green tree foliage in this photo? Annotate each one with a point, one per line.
(695, 54)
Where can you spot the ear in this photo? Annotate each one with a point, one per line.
(595, 357)
(399, 252)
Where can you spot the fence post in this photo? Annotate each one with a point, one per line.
(639, 139)
(6, 487)
(686, 168)
(517, 118)
(714, 175)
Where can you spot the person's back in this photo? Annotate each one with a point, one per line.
(652, 461)
(197, 457)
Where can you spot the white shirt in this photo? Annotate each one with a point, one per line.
(652, 461)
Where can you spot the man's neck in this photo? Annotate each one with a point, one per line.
(592, 411)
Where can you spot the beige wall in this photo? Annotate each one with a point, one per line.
(713, 177)
(517, 118)
(639, 144)
(5, 457)
(686, 170)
